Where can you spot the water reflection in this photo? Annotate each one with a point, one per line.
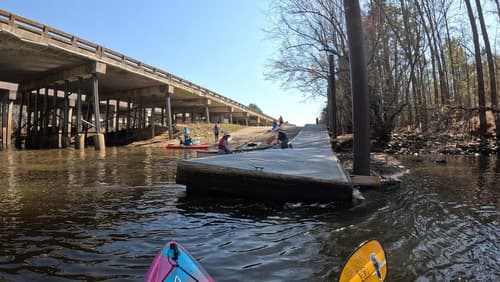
(70, 214)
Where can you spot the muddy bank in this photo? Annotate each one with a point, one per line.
(203, 134)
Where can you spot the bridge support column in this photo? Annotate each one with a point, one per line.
(116, 119)
(152, 122)
(163, 116)
(36, 136)
(168, 106)
(79, 137)
(65, 121)
(7, 121)
(99, 143)
(106, 129)
(20, 122)
(128, 114)
(27, 142)
(45, 119)
(207, 114)
(245, 115)
(54, 112)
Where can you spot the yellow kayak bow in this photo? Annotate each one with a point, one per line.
(367, 263)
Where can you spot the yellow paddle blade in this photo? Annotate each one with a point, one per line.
(366, 263)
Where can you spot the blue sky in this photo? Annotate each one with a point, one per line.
(218, 44)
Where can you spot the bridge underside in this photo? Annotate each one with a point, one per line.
(61, 84)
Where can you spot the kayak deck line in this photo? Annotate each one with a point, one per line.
(309, 172)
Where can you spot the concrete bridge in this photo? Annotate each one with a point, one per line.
(62, 85)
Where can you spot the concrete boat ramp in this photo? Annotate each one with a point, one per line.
(309, 172)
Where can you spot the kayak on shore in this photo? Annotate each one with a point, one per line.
(253, 146)
(198, 147)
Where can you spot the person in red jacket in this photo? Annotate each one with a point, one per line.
(224, 144)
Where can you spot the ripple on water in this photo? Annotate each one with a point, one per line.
(66, 220)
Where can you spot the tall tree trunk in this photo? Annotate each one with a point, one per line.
(438, 52)
(361, 119)
(491, 69)
(479, 69)
(332, 96)
(450, 54)
(467, 79)
(433, 52)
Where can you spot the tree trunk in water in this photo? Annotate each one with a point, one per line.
(491, 69)
(361, 122)
(479, 70)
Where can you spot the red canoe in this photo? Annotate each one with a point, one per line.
(198, 147)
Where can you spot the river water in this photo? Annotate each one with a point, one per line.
(72, 215)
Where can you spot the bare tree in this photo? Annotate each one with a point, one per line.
(491, 69)
(479, 69)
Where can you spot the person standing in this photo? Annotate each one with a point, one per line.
(281, 121)
(224, 144)
(216, 132)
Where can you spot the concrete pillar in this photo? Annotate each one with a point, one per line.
(3, 118)
(169, 90)
(116, 119)
(35, 111)
(207, 114)
(163, 116)
(54, 111)
(99, 138)
(152, 122)
(65, 121)
(246, 118)
(70, 118)
(79, 137)
(106, 128)
(45, 115)
(128, 112)
(7, 122)
(20, 122)
(27, 143)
